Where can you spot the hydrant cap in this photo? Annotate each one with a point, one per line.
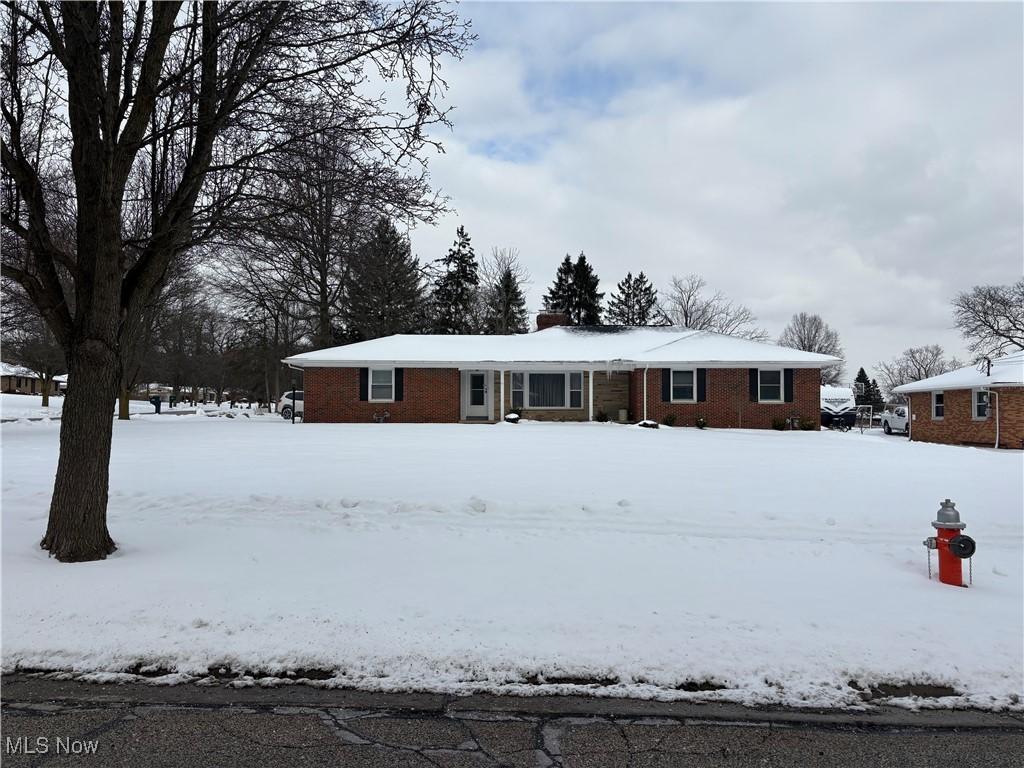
(948, 517)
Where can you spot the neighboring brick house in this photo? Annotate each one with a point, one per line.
(15, 379)
(977, 405)
(563, 374)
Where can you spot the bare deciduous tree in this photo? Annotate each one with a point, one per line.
(318, 201)
(812, 334)
(914, 364)
(88, 86)
(688, 303)
(503, 300)
(991, 318)
(28, 341)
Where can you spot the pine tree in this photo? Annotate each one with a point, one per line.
(635, 302)
(385, 293)
(559, 297)
(575, 293)
(587, 305)
(456, 293)
(505, 305)
(862, 378)
(876, 399)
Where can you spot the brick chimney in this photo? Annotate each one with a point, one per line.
(547, 320)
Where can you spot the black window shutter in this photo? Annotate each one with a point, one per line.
(787, 384)
(753, 384)
(364, 384)
(702, 384)
(399, 383)
(666, 385)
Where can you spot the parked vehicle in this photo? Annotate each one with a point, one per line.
(288, 401)
(895, 419)
(838, 407)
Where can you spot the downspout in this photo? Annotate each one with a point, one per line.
(590, 395)
(991, 394)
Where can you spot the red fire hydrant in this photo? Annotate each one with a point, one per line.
(953, 546)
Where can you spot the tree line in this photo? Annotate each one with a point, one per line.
(191, 192)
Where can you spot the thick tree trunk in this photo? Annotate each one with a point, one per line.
(123, 404)
(77, 527)
(47, 383)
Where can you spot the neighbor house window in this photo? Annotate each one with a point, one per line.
(517, 390)
(980, 407)
(938, 405)
(382, 384)
(769, 385)
(683, 388)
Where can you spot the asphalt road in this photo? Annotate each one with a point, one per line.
(139, 725)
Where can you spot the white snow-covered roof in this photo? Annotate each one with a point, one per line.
(837, 399)
(6, 369)
(597, 346)
(1006, 371)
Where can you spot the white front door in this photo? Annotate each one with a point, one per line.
(476, 395)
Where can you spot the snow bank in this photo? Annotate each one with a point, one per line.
(546, 558)
(31, 406)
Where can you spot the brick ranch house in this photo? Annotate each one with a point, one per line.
(15, 379)
(970, 406)
(563, 374)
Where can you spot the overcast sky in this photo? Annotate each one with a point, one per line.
(859, 161)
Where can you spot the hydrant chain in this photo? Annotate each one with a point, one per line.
(952, 545)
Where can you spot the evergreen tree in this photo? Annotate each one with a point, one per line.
(635, 302)
(505, 305)
(587, 299)
(386, 292)
(876, 399)
(456, 292)
(862, 378)
(559, 297)
(575, 293)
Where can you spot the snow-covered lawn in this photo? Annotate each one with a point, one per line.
(776, 566)
(31, 406)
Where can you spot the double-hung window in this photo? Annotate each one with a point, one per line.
(575, 389)
(769, 385)
(382, 384)
(979, 404)
(684, 386)
(938, 405)
(517, 390)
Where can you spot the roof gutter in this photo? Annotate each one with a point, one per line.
(539, 365)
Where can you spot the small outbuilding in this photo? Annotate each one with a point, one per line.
(976, 405)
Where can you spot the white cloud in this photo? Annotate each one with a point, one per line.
(864, 162)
